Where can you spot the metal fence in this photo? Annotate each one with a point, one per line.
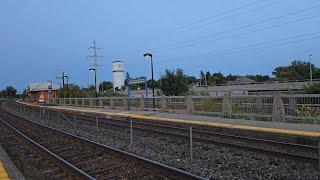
(277, 107)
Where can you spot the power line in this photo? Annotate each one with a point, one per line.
(222, 18)
(244, 27)
(245, 33)
(223, 13)
(255, 46)
(250, 32)
(254, 24)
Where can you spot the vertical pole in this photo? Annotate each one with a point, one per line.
(310, 67)
(191, 144)
(63, 84)
(40, 114)
(32, 112)
(75, 121)
(97, 123)
(95, 81)
(319, 154)
(58, 117)
(131, 129)
(63, 124)
(48, 116)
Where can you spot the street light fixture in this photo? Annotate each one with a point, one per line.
(310, 67)
(50, 89)
(149, 56)
(95, 79)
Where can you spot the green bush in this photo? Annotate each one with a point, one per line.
(312, 89)
(211, 106)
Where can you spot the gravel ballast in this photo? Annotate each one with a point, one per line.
(209, 160)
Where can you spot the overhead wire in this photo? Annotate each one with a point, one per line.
(218, 15)
(241, 27)
(252, 46)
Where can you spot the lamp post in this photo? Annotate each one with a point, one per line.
(95, 79)
(310, 67)
(149, 55)
(50, 89)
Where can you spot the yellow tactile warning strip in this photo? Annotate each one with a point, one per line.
(3, 173)
(199, 122)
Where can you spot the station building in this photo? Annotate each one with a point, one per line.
(39, 92)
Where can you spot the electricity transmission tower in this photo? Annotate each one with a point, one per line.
(95, 65)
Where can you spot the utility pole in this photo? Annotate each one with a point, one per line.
(95, 57)
(310, 67)
(205, 79)
(64, 77)
(67, 77)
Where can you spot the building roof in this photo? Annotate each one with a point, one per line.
(32, 87)
(241, 80)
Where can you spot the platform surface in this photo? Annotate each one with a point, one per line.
(3, 172)
(8, 169)
(312, 130)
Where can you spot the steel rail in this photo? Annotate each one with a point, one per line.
(174, 172)
(78, 172)
(252, 148)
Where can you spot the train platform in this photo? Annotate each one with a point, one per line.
(306, 130)
(3, 172)
(8, 170)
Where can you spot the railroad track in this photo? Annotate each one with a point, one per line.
(85, 159)
(295, 151)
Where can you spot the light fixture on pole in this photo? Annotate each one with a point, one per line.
(149, 56)
(50, 89)
(95, 79)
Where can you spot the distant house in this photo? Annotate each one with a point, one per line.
(241, 81)
(39, 92)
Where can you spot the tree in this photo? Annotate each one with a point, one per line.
(174, 83)
(231, 77)
(191, 79)
(8, 92)
(312, 89)
(149, 83)
(126, 81)
(202, 78)
(217, 78)
(3, 94)
(23, 95)
(106, 86)
(75, 91)
(11, 92)
(297, 70)
(259, 78)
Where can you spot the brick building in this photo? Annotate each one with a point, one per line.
(39, 92)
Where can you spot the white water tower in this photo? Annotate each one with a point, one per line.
(118, 75)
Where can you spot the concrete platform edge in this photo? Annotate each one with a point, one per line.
(11, 168)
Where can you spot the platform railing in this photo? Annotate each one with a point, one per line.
(276, 107)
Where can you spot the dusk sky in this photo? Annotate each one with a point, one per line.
(41, 38)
